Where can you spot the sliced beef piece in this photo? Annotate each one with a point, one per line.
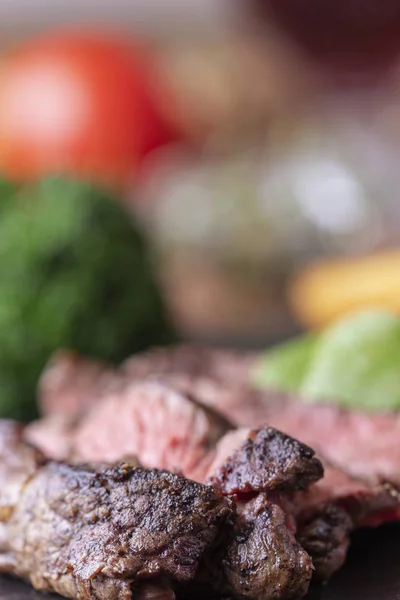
(264, 459)
(265, 562)
(99, 533)
(152, 421)
(325, 514)
(52, 435)
(365, 445)
(360, 451)
(217, 378)
(366, 504)
(70, 384)
(243, 406)
(326, 538)
(195, 361)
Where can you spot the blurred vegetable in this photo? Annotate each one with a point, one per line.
(285, 366)
(75, 274)
(355, 363)
(330, 289)
(80, 104)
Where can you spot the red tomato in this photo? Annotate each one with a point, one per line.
(77, 103)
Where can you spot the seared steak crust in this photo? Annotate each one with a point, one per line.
(93, 534)
(264, 561)
(326, 538)
(267, 460)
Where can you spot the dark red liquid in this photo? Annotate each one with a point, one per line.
(347, 35)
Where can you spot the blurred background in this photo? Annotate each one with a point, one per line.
(256, 143)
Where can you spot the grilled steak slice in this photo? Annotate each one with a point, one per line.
(71, 384)
(365, 445)
(265, 460)
(265, 562)
(362, 444)
(52, 435)
(152, 421)
(325, 514)
(274, 462)
(195, 361)
(98, 533)
(366, 504)
(77, 532)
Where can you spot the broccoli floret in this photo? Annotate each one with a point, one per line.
(75, 273)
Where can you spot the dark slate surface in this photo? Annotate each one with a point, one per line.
(372, 572)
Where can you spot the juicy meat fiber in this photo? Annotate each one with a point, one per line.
(192, 360)
(152, 421)
(70, 384)
(52, 435)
